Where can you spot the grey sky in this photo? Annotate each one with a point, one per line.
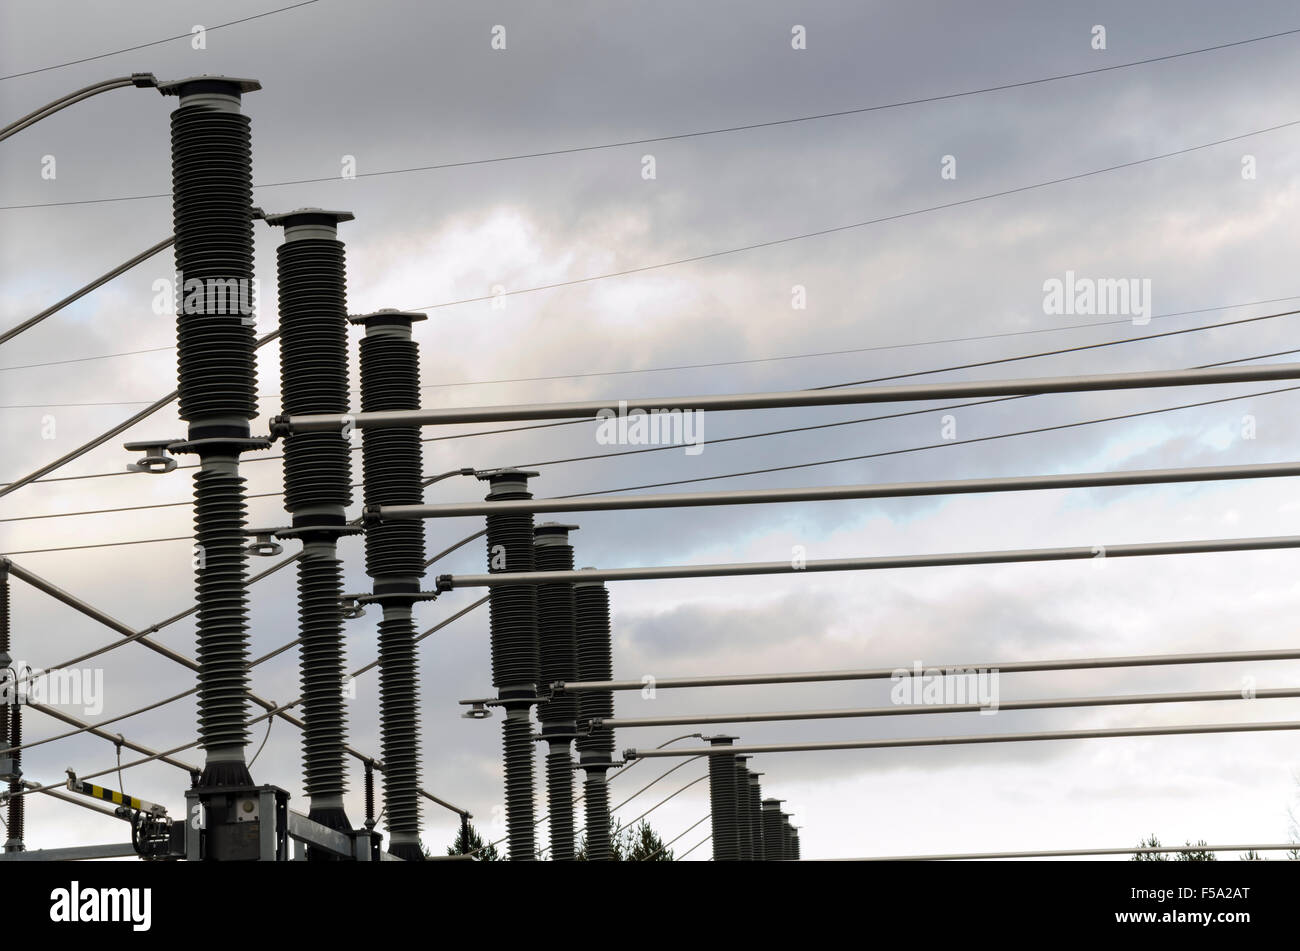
(404, 84)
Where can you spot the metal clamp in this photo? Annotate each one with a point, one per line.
(351, 606)
(263, 545)
(156, 459)
(478, 709)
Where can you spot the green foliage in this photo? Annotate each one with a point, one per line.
(1192, 853)
(468, 840)
(639, 843)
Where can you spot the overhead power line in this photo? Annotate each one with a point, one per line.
(82, 292)
(139, 80)
(184, 36)
(725, 363)
(699, 133)
(798, 465)
(861, 224)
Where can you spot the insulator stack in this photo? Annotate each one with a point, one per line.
(787, 838)
(557, 661)
(220, 575)
(17, 801)
(596, 748)
(756, 815)
(317, 481)
(391, 458)
(513, 630)
(794, 844)
(212, 209)
(773, 831)
(722, 800)
(11, 723)
(745, 844)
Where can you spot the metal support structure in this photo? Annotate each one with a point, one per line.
(596, 747)
(1190, 729)
(139, 636)
(887, 673)
(317, 481)
(76, 853)
(609, 409)
(557, 652)
(723, 805)
(1019, 556)
(888, 490)
(904, 709)
(390, 379)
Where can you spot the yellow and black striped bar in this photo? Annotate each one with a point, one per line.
(115, 797)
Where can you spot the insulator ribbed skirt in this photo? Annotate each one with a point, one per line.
(559, 793)
(596, 798)
(773, 836)
(595, 662)
(556, 634)
(17, 803)
(512, 608)
(313, 369)
(722, 806)
(756, 820)
(390, 379)
(321, 653)
(212, 201)
(744, 841)
(222, 620)
(517, 738)
(398, 724)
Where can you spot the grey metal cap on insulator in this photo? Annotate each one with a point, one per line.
(219, 93)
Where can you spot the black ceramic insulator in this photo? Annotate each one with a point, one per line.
(773, 835)
(595, 662)
(596, 799)
(756, 816)
(212, 201)
(17, 801)
(517, 739)
(512, 608)
(320, 620)
(399, 726)
(392, 460)
(556, 634)
(222, 622)
(313, 369)
(745, 844)
(370, 794)
(559, 800)
(722, 805)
